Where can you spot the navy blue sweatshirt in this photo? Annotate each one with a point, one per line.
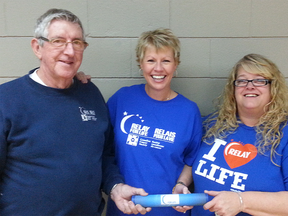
(56, 153)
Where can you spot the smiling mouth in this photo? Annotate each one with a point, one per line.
(66, 62)
(250, 95)
(158, 77)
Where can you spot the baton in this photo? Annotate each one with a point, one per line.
(164, 200)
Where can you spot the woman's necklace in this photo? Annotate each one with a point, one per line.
(168, 98)
(164, 99)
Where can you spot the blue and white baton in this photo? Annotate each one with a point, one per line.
(164, 200)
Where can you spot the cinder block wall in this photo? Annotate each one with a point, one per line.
(214, 35)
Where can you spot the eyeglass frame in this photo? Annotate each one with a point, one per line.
(252, 81)
(64, 45)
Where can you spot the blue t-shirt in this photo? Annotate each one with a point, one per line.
(233, 164)
(154, 140)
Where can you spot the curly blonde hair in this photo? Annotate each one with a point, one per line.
(271, 123)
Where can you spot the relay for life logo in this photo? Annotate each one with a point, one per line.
(139, 134)
(237, 154)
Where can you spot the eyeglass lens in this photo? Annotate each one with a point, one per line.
(255, 82)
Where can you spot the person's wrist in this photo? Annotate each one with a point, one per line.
(178, 183)
(241, 201)
(114, 186)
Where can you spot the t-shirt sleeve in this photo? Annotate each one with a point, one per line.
(284, 166)
(196, 135)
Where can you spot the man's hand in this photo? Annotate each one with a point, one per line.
(122, 194)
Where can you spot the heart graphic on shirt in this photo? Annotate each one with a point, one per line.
(237, 155)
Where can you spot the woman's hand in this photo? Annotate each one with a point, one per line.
(181, 189)
(224, 203)
(83, 77)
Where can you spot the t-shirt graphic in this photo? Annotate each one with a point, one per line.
(140, 134)
(237, 154)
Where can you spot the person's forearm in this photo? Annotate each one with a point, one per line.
(265, 203)
(186, 175)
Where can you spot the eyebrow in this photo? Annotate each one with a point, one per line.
(66, 39)
(244, 77)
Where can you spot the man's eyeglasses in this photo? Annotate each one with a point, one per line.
(78, 45)
(255, 82)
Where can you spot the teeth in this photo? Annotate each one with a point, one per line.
(158, 77)
(251, 95)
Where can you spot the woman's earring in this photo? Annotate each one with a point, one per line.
(140, 72)
(175, 73)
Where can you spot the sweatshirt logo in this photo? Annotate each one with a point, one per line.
(87, 115)
(237, 154)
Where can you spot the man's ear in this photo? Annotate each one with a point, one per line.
(36, 48)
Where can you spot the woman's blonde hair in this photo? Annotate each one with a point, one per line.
(160, 39)
(271, 123)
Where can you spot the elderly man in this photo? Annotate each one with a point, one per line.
(55, 150)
